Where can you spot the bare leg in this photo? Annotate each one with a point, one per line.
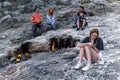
(88, 54)
(83, 23)
(78, 24)
(94, 55)
(82, 53)
(91, 55)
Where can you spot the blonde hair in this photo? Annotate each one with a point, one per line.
(75, 12)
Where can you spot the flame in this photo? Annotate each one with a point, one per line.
(19, 55)
(26, 53)
(53, 46)
(17, 59)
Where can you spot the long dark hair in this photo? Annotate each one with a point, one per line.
(49, 11)
(94, 31)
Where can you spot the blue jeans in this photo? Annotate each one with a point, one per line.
(34, 28)
(50, 23)
(74, 19)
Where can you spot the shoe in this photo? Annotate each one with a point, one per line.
(100, 60)
(78, 29)
(87, 67)
(82, 28)
(78, 66)
(74, 26)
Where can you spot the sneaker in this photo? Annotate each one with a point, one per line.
(82, 28)
(87, 67)
(101, 60)
(78, 66)
(78, 29)
(74, 26)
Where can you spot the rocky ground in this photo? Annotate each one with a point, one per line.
(57, 65)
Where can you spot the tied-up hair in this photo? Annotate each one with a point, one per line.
(94, 31)
(50, 11)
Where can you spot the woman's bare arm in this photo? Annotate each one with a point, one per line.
(96, 49)
(85, 44)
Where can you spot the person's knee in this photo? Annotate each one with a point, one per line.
(87, 47)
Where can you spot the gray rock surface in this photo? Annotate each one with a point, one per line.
(69, 55)
(100, 2)
(5, 4)
(51, 65)
(5, 18)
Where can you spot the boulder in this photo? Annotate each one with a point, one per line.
(39, 44)
(5, 18)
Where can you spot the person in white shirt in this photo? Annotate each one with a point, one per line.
(51, 18)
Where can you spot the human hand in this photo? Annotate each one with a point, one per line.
(90, 44)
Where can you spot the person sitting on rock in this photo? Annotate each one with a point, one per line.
(50, 19)
(36, 19)
(90, 48)
(81, 21)
(83, 11)
(76, 17)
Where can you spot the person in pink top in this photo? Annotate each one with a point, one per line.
(36, 19)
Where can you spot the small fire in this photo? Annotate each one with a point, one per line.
(19, 55)
(18, 58)
(26, 53)
(53, 46)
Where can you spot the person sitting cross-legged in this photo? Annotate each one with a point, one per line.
(90, 48)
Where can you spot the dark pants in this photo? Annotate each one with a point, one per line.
(81, 23)
(34, 29)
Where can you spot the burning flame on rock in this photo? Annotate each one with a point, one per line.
(18, 57)
(26, 53)
(53, 46)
